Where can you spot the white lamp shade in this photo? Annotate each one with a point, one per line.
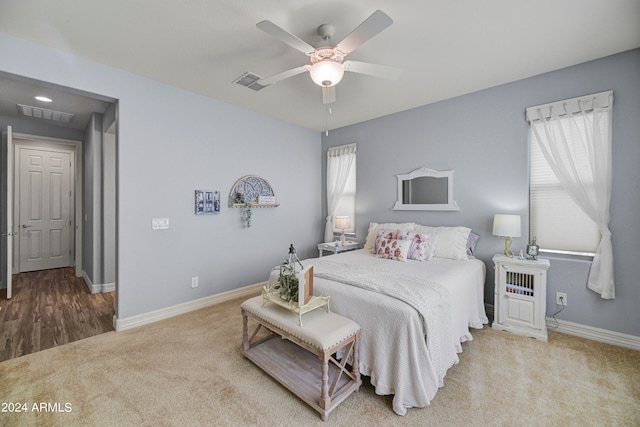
(326, 73)
(343, 222)
(506, 225)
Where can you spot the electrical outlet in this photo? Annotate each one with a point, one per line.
(194, 282)
(561, 298)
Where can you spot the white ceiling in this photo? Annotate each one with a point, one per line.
(446, 48)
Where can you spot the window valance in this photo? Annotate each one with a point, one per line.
(585, 103)
(341, 150)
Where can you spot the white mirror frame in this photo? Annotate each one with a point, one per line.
(451, 205)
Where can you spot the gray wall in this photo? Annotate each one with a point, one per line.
(32, 127)
(170, 143)
(109, 208)
(483, 136)
(92, 200)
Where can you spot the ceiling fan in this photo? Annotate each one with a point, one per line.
(327, 62)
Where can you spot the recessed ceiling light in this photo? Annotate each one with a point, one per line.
(43, 98)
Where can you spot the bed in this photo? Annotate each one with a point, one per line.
(414, 314)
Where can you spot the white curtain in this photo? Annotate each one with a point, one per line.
(340, 160)
(583, 168)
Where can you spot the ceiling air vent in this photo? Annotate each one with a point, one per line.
(250, 80)
(44, 114)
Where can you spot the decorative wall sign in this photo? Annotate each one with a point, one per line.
(207, 202)
(266, 200)
(252, 190)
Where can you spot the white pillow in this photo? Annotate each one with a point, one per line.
(452, 242)
(372, 234)
(393, 249)
(425, 229)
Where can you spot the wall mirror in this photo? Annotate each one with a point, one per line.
(426, 190)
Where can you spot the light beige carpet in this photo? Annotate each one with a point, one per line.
(188, 371)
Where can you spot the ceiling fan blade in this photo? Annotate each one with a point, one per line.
(328, 95)
(285, 37)
(371, 26)
(375, 70)
(283, 75)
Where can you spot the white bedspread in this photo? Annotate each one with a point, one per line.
(397, 304)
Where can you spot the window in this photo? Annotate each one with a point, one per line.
(347, 203)
(574, 137)
(555, 218)
(341, 188)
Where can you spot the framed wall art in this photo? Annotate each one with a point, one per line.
(207, 202)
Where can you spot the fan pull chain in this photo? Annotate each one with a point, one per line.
(326, 120)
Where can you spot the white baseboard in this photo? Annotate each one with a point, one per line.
(96, 288)
(165, 313)
(588, 332)
(595, 334)
(93, 288)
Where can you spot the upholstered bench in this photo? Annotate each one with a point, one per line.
(293, 360)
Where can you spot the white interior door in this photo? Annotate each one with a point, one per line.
(45, 203)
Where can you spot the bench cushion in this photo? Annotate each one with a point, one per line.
(321, 330)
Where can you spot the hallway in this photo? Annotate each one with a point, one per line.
(50, 308)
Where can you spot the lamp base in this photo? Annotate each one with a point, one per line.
(507, 246)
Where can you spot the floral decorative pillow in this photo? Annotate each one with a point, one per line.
(384, 234)
(372, 233)
(393, 249)
(422, 245)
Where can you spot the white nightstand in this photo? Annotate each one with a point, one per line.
(350, 245)
(520, 296)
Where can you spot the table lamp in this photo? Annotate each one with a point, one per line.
(343, 223)
(506, 226)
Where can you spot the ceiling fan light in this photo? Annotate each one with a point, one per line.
(326, 73)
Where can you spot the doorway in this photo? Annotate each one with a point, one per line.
(73, 257)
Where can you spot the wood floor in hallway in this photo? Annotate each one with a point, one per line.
(50, 308)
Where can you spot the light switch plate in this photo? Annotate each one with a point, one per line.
(160, 223)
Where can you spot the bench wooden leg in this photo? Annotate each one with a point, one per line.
(245, 331)
(355, 368)
(325, 399)
(250, 341)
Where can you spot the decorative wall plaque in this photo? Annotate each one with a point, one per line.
(253, 190)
